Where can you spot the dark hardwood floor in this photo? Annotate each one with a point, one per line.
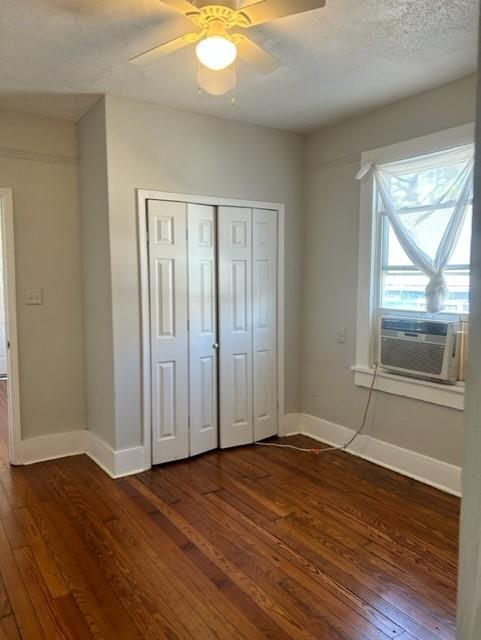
(250, 543)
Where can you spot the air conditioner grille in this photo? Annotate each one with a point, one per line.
(424, 357)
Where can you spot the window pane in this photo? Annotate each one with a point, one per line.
(462, 253)
(394, 254)
(405, 291)
(427, 187)
(428, 234)
(458, 297)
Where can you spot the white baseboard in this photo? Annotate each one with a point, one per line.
(116, 464)
(290, 424)
(58, 445)
(436, 473)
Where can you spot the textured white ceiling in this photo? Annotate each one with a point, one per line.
(57, 56)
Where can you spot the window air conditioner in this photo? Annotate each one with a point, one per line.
(426, 349)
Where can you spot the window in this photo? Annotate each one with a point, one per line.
(414, 247)
(402, 285)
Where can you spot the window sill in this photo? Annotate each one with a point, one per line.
(433, 392)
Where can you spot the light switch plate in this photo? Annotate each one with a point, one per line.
(33, 296)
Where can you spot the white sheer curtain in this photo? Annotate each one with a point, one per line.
(426, 200)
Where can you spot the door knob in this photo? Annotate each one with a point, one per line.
(215, 345)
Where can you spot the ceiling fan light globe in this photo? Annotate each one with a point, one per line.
(216, 83)
(216, 52)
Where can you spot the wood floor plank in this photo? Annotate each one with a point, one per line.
(328, 591)
(264, 569)
(107, 578)
(43, 558)
(433, 625)
(75, 571)
(18, 593)
(5, 606)
(273, 546)
(41, 598)
(360, 504)
(282, 624)
(15, 485)
(244, 544)
(9, 628)
(380, 527)
(185, 604)
(326, 557)
(69, 617)
(418, 493)
(139, 532)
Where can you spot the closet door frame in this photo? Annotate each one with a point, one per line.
(143, 196)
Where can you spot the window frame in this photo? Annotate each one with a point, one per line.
(370, 271)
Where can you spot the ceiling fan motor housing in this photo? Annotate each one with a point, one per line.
(216, 19)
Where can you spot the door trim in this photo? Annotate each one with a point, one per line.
(143, 195)
(13, 386)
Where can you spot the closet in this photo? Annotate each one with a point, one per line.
(213, 326)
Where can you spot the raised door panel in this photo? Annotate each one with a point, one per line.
(169, 332)
(240, 392)
(265, 323)
(202, 329)
(235, 326)
(165, 303)
(165, 385)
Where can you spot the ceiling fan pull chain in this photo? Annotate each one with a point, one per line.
(199, 88)
(234, 88)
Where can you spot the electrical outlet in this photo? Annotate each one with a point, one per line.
(315, 391)
(341, 336)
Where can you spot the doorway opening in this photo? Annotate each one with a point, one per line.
(10, 439)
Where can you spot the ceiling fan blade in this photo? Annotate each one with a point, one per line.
(182, 6)
(255, 55)
(268, 10)
(151, 55)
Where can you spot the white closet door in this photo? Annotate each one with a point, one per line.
(202, 328)
(169, 333)
(235, 325)
(265, 323)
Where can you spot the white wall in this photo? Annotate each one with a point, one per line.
(135, 145)
(330, 272)
(157, 148)
(97, 290)
(39, 160)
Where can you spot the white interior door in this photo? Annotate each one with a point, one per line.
(202, 328)
(235, 326)
(264, 296)
(169, 333)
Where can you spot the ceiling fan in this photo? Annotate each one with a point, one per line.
(219, 35)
